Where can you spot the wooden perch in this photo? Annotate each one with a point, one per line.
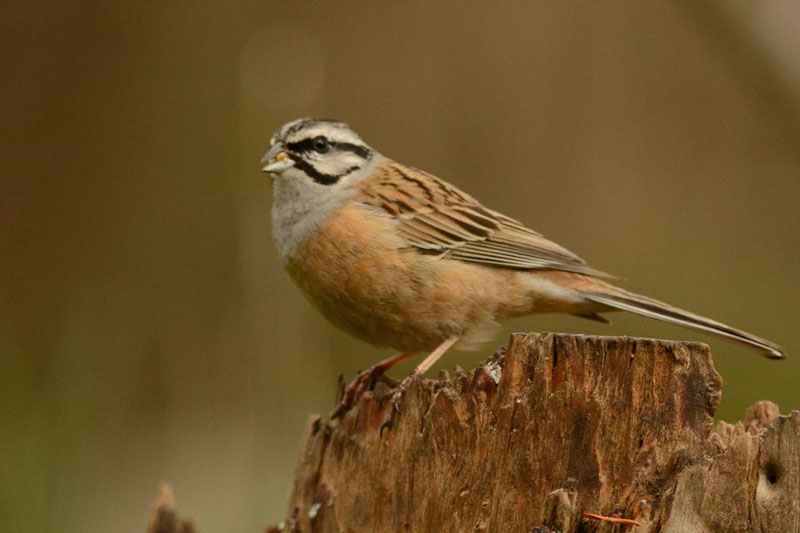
(555, 433)
(164, 518)
(547, 433)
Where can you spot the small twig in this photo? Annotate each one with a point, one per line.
(613, 520)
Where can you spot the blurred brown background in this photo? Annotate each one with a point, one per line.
(147, 331)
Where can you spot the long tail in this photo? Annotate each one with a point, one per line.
(641, 305)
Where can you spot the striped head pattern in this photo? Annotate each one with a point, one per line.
(315, 166)
(324, 151)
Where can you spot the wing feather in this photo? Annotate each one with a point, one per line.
(437, 218)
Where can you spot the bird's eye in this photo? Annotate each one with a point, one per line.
(320, 144)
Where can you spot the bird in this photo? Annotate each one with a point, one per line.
(398, 257)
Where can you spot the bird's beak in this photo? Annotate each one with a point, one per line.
(276, 159)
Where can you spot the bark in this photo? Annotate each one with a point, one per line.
(550, 431)
(555, 433)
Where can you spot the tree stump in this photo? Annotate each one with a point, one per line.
(564, 433)
(555, 433)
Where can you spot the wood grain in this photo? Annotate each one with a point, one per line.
(554, 433)
(547, 433)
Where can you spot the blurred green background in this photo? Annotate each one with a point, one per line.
(147, 330)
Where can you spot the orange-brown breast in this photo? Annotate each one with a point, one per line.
(367, 281)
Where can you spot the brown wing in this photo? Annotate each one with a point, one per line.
(438, 218)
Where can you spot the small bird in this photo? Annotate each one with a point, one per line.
(400, 258)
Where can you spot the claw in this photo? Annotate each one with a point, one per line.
(395, 400)
(363, 382)
(387, 424)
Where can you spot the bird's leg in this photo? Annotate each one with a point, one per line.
(423, 367)
(434, 356)
(365, 380)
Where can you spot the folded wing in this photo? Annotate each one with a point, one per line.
(437, 218)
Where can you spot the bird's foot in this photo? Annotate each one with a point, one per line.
(363, 382)
(395, 398)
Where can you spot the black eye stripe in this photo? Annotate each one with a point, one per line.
(360, 151)
(307, 145)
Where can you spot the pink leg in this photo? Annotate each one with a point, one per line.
(390, 362)
(434, 356)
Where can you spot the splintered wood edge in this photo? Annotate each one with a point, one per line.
(163, 516)
(683, 371)
(747, 479)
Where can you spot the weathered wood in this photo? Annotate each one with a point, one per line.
(548, 435)
(751, 481)
(551, 429)
(163, 517)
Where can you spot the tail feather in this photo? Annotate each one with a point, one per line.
(641, 305)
